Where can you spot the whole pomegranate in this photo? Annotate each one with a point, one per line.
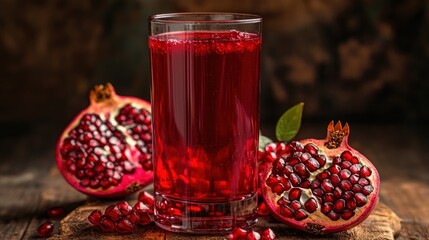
(319, 186)
(106, 151)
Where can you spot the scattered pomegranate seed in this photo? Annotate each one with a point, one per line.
(267, 234)
(56, 212)
(237, 233)
(46, 229)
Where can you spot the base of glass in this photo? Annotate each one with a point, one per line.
(204, 218)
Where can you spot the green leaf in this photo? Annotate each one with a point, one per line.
(263, 140)
(289, 123)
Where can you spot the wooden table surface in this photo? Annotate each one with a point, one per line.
(30, 183)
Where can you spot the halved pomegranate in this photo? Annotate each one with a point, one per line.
(106, 151)
(319, 186)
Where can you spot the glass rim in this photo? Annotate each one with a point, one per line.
(238, 18)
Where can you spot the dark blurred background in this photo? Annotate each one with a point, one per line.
(358, 61)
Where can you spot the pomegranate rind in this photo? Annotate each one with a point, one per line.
(317, 222)
(129, 183)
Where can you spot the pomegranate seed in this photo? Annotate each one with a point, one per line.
(146, 198)
(311, 205)
(347, 214)
(124, 207)
(134, 217)
(287, 211)
(286, 184)
(345, 164)
(367, 190)
(351, 204)
(345, 185)
(94, 217)
(344, 174)
(346, 155)
(271, 156)
(145, 219)
(360, 199)
(305, 157)
(334, 169)
(312, 165)
(322, 175)
(357, 188)
(113, 213)
(281, 147)
(237, 233)
(311, 149)
(354, 160)
(336, 161)
(278, 188)
(333, 216)
(141, 207)
(335, 179)
(279, 164)
(301, 170)
(295, 205)
(263, 209)
(294, 194)
(300, 214)
(318, 192)
(272, 179)
(252, 235)
(321, 159)
(354, 178)
(305, 184)
(56, 212)
(348, 195)
(124, 225)
(315, 184)
(105, 183)
(355, 168)
(287, 170)
(327, 207)
(329, 197)
(338, 192)
(293, 161)
(106, 224)
(267, 234)
(363, 182)
(327, 186)
(46, 229)
(283, 201)
(294, 179)
(339, 205)
(365, 171)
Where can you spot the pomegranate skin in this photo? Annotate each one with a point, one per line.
(338, 199)
(119, 166)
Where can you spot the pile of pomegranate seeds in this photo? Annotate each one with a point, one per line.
(121, 217)
(242, 234)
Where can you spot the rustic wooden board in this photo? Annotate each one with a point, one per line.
(382, 224)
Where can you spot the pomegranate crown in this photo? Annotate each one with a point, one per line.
(102, 93)
(336, 134)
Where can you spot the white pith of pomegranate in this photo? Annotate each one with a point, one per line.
(106, 150)
(319, 186)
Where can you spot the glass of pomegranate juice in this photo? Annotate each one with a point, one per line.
(205, 99)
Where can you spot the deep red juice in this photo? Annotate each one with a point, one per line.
(205, 98)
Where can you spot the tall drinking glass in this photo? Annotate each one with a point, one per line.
(205, 96)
